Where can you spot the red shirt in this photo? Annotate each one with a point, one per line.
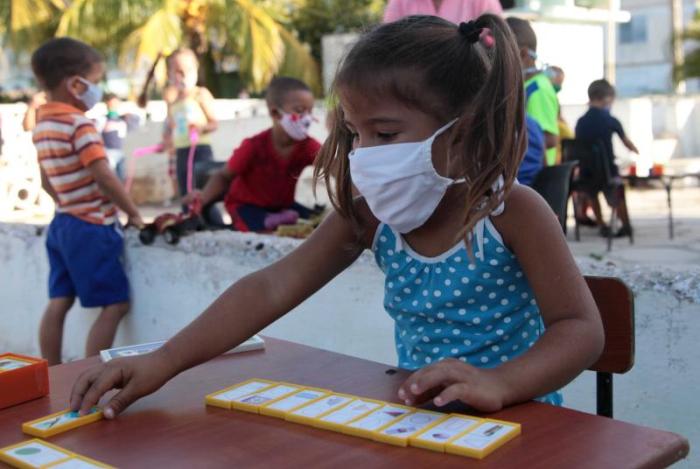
(264, 178)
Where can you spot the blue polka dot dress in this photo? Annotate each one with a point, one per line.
(481, 311)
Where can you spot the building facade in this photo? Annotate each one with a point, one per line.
(644, 52)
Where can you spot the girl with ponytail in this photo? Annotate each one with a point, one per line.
(428, 133)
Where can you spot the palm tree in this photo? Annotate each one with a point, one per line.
(137, 31)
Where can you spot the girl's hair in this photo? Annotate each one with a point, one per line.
(439, 68)
(181, 51)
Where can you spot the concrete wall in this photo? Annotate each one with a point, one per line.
(171, 285)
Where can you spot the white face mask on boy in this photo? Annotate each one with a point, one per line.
(399, 181)
(296, 125)
(92, 94)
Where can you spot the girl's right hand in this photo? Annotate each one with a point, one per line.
(134, 376)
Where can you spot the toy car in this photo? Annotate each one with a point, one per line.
(171, 226)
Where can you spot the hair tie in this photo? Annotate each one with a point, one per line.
(470, 31)
(486, 38)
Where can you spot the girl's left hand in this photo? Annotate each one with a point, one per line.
(453, 380)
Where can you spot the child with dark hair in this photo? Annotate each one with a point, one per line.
(598, 125)
(84, 241)
(486, 297)
(541, 100)
(259, 181)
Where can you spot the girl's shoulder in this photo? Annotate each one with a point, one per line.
(523, 208)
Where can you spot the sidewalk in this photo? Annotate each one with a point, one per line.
(652, 246)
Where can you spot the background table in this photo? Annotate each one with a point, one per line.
(667, 180)
(172, 428)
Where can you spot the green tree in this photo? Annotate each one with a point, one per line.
(312, 19)
(137, 31)
(691, 65)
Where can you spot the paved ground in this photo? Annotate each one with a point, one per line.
(652, 245)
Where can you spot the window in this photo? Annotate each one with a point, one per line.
(635, 31)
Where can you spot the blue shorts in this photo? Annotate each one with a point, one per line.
(85, 260)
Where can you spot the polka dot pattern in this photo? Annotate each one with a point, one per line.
(478, 310)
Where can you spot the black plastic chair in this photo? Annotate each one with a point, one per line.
(594, 175)
(553, 183)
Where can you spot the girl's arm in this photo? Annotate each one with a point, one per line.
(241, 311)
(573, 339)
(206, 100)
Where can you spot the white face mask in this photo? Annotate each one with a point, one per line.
(399, 181)
(92, 94)
(296, 125)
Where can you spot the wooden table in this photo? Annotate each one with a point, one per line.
(173, 429)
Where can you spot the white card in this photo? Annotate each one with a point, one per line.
(296, 399)
(350, 411)
(7, 364)
(36, 454)
(450, 428)
(75, 463)
(379, 418)
(483, 435)
(254, 343)
(235, 393)
(317, 408)
(62, 419)
(411, 424)
(266, 395)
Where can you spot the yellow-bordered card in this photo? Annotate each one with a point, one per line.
(366, 425)
(9, 362)
(252, 402)
(399, 431)
(337, 419)
(60, 422)
(32, 454)
(78, 462)
(281, 407)
(309, 413)
(437, 435)
(224, 397)
(485, 438)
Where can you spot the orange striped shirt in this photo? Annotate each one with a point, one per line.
(67, 143)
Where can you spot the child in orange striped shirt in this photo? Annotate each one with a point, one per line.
(84, 241)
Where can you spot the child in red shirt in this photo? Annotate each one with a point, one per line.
(260, 179)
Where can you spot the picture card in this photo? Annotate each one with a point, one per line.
(79, 462)
(436, 436)
(60, 422)
(306, 414)
(291, 402)
(254, 343)
(350, 412)
(225, 397)
(33, 453)
(251, 402)
(484, 438)
(9, 363)
(399, 431)
(366, 425)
